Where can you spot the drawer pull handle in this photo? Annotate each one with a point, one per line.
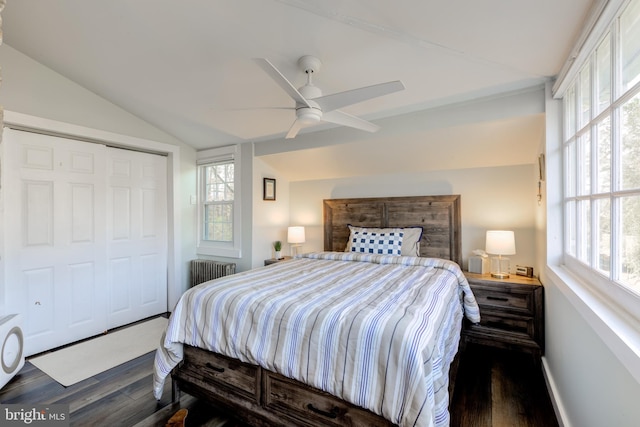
(215, 368)
(332, 414)
(497, 298)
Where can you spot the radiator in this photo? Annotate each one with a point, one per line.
(203, 270)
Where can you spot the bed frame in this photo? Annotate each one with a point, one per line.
(260, 397)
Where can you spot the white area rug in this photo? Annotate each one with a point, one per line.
(86, 359)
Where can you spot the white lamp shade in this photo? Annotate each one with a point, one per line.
(500, 242)
(295, 235)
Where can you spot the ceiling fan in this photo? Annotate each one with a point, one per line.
(312, 107)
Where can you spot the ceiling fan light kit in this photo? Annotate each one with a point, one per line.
(312, 107)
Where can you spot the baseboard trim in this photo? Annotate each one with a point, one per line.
(554, 395)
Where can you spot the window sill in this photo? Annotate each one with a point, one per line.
(619, 332)
(218, 251)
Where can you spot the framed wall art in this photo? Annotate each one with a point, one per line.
(268, 189)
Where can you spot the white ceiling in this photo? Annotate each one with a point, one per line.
(186, 68)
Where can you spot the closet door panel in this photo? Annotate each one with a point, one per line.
(137, 237)
(55, 241)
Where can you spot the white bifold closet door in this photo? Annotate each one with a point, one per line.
(136, 235)
(85, 237)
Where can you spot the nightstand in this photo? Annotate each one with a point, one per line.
(511, 313)
(273, 260)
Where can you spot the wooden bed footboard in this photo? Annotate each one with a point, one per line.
(260, 397)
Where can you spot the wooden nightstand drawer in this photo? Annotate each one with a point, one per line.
(501, 322)
(510, 299)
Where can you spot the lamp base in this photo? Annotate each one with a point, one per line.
(295, 250)
(500, 267)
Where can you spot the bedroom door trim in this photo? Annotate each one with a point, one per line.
(30, 123)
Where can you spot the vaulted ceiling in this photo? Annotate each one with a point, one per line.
(186, 67)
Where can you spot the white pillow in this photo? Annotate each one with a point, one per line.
(410, 239)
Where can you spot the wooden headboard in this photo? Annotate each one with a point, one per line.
(439, 216)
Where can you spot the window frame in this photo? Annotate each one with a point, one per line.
(606, 286)
(209, 157)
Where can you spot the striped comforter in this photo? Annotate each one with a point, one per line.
(377, 331)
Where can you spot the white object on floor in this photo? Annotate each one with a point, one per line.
(78, 362)
(12, 341)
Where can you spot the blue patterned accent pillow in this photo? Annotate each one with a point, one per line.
(369, 242)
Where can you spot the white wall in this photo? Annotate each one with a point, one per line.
(270, 218)
(492, 198)
(590, 385)
(29, 87)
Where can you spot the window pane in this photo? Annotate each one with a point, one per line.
(218, 222)
(585, 96)
(604, 156)
(630, 45)
(584, 233)
(630, 242)
(570, 225)
(603, 228)
(219, 182)
(603, 70)
(630, 144)
(570, 169)
(584, 165)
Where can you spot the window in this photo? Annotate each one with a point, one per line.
(601, 151)
(218, 202)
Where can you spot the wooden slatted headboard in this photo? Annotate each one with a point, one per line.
(439, 216)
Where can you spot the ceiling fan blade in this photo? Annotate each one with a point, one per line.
(295, 128)
(281, 80)
(341, 99)
(341, 118)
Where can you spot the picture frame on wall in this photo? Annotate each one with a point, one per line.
(268, 189)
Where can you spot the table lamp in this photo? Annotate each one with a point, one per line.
(295, 236)
(500, 242)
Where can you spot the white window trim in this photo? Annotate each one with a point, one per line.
(619, 331)
(602, 13)
(221, 249)
(612, 314)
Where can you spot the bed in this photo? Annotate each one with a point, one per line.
(347, 336)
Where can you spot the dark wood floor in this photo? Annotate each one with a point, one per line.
(493, 388)
(496, 388)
